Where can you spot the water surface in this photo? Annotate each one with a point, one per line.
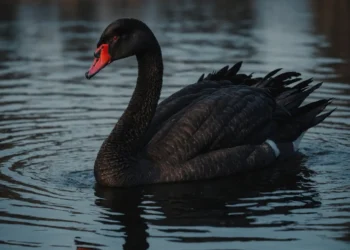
(53, 121)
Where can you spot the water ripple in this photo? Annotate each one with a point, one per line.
(53, 121)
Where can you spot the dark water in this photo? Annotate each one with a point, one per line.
(53, 121)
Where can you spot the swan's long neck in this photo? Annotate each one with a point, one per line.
(127, 136)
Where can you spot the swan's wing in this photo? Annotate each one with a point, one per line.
(232, 113)
(175, 106)
(222, 162)
(205, 86)
(177, 102)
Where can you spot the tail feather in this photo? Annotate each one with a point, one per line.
(300, 120)
(303, 84)
(285, 76)
(290, 91)
(265, 83)
(320, 118)
(297, 142)
(272, 73)
(291, 81)
(234, 69)
(293, 119)
(293, 101)
(225, 73)
(307, 114)
(296, 89)
(200, 78)
(318, 105)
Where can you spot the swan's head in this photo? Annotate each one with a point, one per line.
(121, 39)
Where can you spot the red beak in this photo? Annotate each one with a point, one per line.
(102, 59)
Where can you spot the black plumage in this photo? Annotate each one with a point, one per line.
(214, 127)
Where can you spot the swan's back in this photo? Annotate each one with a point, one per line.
(226, 109)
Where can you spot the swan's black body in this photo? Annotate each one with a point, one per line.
(215, 127)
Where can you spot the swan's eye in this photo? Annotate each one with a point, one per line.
(115, 38)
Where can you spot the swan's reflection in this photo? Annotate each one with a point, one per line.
(126, 202)
(229, 202)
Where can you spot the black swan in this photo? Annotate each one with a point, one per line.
(225, 123)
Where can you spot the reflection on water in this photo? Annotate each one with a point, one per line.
(184, 213)
(53, 121)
